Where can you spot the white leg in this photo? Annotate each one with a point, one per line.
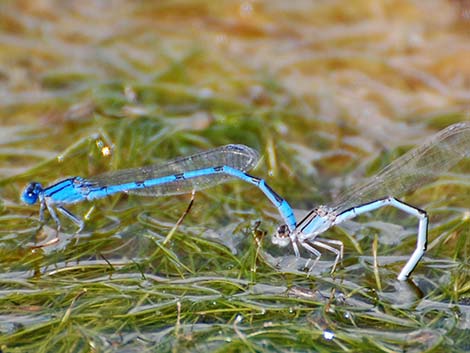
(337, 243)
(54, 216)
(79, 222)
(295, 247)
(323, 243)
(314, 252)
(42, 207)
(413, 211)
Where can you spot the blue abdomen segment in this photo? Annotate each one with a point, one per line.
(186, 182)
(179, 176)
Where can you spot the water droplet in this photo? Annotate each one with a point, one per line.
(328, 335)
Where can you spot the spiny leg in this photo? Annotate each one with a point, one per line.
(54, 217)
(323, 243)
(312, 251)
(422, 236)
(78, 221)
(56, 220)
(42, 207)
(295, 247)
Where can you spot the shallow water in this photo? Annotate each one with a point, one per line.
(328, 92)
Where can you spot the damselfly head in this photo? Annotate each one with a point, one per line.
(282, 236)
(31, 193)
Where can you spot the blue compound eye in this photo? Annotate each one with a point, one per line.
(31, 193)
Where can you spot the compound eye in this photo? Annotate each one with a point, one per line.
(282, 236)
(283, 231)
(30, 194)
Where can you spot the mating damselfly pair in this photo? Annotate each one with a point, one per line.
(183, 175)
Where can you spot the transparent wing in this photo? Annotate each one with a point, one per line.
(240, 157)
(416, 167)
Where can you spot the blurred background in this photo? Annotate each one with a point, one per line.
(327, 91)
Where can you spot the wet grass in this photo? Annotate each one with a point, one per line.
(94, 95)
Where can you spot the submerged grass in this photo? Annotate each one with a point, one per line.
(326, 92)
